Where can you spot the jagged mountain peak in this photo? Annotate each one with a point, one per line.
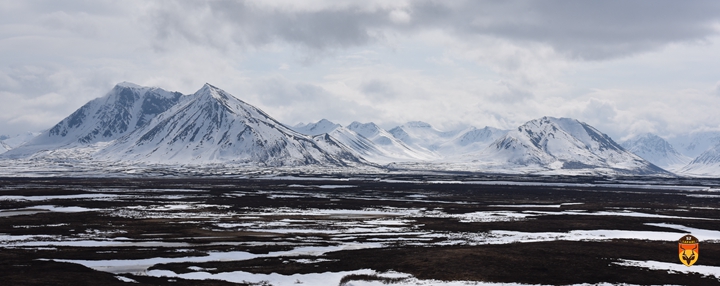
(368, 130)
(317, 128)
(325, 122)
(210, 91)
(216, 101)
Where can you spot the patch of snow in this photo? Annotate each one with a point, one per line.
(94, 197)
(326, 278)
(672, 267)
(125, 279)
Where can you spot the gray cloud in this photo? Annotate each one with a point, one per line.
(221, 23)
(579, 29)
(592, 29)
(296, 102)
(378, 90)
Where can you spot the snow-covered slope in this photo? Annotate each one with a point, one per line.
(212, 126)
(656, 150)
(20, 139)
(470, 140)
(8, 143)
(320, 127)
(360, 145)
(421, 135)
(392, 146)
(706, 164)
(695, 143)
(4, 147)
(125, 108)
(562, 143)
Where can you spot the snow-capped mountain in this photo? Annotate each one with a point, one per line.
(563, 143)
(656, 150)
(470, 140)
(125, 108)
(4, 147)
(421, 135)
(11, 142)
(212, 126)
(388, 143)
(20, 139)
(360, 145)
(707, 164)
(695, 143)
(320, 127)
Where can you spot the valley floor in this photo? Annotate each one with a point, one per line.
(361, 230)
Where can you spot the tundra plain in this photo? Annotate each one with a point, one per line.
(450, 229)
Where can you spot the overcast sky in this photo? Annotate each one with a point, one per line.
(625, 67)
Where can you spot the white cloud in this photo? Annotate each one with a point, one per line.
(400, 17)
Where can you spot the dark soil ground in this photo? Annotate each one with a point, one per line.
(550, 262)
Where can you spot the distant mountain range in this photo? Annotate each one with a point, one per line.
(564, 143)
(657, 150)
(8, 143)
(151, 125)
(695, 154)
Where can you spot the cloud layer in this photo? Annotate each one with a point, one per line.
(626, 67)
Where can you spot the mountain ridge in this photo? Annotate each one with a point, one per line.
(143, 124)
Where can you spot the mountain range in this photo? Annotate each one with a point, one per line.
(132, 123)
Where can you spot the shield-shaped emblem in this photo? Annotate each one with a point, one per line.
(688, 249)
